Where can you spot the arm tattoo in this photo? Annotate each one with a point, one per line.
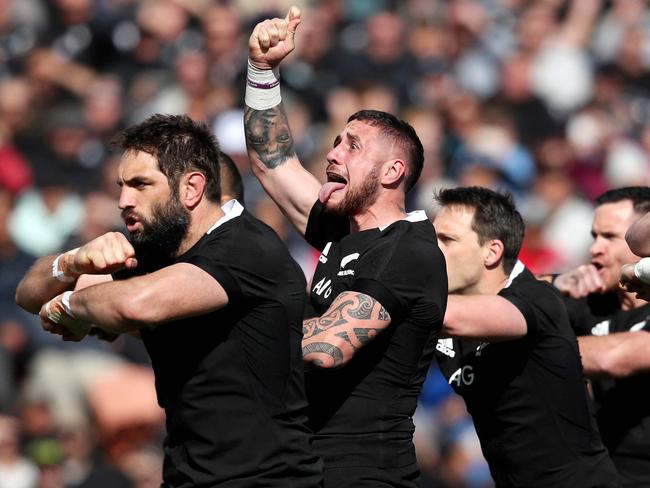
(268, 135)
(325, 348)
(364, 309)
(365, 335)
(344, 335)
(383, 314)
(331, 318)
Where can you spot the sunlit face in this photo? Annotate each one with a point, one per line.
(609, 251)
(460, 246)
(353, 168)
(154, 216)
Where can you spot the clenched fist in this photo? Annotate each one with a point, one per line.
(104, 255)
(273, 39)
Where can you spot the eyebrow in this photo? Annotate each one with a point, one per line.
(133, 181)
(349, 137)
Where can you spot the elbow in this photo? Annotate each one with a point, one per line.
(326, 354)
(609, 365)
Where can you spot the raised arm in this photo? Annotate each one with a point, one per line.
(615, 355)
(487, 317)
(268, 136)
(352, 320)
(638, 236)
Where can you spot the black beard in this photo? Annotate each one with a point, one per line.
(359, 200)
(161, 236)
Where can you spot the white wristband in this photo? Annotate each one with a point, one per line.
(65, 300)
(262, 88)
(642, 270)
(58, 274)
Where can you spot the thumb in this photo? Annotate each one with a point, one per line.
(293, 19)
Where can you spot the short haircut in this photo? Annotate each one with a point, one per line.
(231, 182)
(495, 217)
(403, 134)
(179, 145)
(638, 195)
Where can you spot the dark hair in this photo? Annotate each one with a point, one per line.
(231, 182)
(403, 134)
(179, 144)
(638, 195)
(495, 217)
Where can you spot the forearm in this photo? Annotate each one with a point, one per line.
(108, 306)
(268, 138)
(485, 317)
(39, 285)
(616, 355)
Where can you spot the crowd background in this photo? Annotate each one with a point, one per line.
(547, 99)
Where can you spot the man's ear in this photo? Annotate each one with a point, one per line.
(393, 172)
(192, 188)
(494, 253)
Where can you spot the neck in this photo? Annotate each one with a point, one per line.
(377, 216)
(202, 219)
(491, 283)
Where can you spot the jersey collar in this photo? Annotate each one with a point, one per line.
(415, 216)
(516, 271)
(231, 209)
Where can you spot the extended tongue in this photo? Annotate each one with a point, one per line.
(327, 189)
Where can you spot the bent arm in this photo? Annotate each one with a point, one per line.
(274, 162)
(39, 285)
(638, 236)
(352, 321)
(176, 292)
(487, 317)
(617, 355)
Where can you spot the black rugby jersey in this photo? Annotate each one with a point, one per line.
(528, 397)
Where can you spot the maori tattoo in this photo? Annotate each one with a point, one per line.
(343, 320)
(268, 135)
(344, 335)
(364, 310)
(331, 318)
(325, 348)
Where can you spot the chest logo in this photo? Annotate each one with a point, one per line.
(345, 261)
(446, 346)
(601, 328)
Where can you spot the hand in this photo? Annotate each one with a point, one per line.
(273, 39)
(630, 283)
(55, 320)
(580, 282)
(103, 255)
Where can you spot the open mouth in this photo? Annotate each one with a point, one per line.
(131, 222)
(336, 178)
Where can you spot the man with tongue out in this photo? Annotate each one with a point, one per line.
(378, 294)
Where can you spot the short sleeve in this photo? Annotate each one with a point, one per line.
(406, 275)
(519, 295)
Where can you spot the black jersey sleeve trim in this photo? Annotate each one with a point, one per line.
(381, 294)
(221, 274)
(525, 309)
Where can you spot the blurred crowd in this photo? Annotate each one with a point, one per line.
(547, 99)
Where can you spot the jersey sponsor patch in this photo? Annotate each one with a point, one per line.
(446, 346)
(601, 328)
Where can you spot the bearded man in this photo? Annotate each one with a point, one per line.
(217, 300)
(379, 291)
